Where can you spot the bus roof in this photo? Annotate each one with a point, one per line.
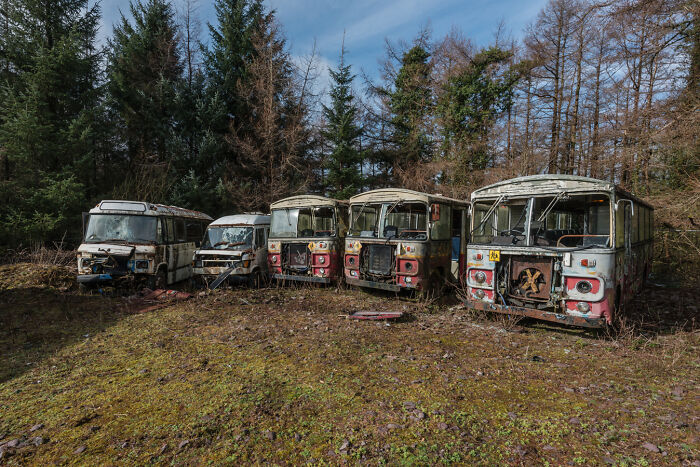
(401, 194)
(242, 219)
(550, 184)
(146, 209)
(301, 201)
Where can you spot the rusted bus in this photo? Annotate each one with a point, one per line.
(306, 239)
(405, 240)
(561, 248)
(237, 243)
(126, 241)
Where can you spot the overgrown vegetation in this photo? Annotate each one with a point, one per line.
(281, 376)
(605, 89)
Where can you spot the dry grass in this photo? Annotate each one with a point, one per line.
(279, 376)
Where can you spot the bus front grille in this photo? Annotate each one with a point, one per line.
(380, 259)
(297, 256)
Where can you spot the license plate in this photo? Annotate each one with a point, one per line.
(494, 255)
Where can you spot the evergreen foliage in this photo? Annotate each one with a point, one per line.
(342, 132)
(411, 105)
(49, 104)
(471, 102)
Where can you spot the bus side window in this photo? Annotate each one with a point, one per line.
(259, 238)
(160, 233)
(620, 225)
(180, 230)
(441, 227)
(169, 230)
(194, 231)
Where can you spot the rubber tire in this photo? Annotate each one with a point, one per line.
(255, 280)
(159, 280)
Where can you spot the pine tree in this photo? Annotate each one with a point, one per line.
(144, 71)
(271, 139)
(342, 133)
(472, 99)
(411, 106)
(49, 102)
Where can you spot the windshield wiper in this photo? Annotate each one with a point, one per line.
(551, 205)
(488, 213)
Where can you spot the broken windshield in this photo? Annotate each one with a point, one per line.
(121, 227)
(555, 221)
(303, 222)
(228, 238)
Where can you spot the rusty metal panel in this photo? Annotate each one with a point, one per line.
(531, 277)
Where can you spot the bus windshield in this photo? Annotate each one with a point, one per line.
(228, 238)
(560, 221)
(303, 222)
(390, 220)
(121, 228)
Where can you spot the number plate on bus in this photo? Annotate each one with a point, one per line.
(494, 255)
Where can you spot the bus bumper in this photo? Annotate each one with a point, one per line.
(292, 277)
(95, 278)
(373, 284)
(598, 322)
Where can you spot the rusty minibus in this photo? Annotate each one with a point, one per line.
(234, 250)
(405, 240)
(306, 239)
(137, 241)
(561, 248)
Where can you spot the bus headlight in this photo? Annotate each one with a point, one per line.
(584, 286)
(322, 259)
(480, 277)
(583, 307)
(479, 294)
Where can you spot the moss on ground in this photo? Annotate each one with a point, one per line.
(281, 376)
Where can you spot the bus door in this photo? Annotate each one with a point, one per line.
(459, 243)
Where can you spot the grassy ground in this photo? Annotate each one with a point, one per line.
(281, 376)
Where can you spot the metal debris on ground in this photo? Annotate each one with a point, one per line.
(148, 300)
(376, 315)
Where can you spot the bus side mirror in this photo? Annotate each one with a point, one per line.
(617, 205)
(434, 212)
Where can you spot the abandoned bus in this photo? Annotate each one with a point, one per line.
(306, 239)
(402, 239)
(235, 247)
(560, 248)
(127, 240)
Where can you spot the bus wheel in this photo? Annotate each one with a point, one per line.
(255, 281)
(158, 280)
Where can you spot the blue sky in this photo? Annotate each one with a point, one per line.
(368, 22)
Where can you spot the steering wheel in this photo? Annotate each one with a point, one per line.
(515, 233)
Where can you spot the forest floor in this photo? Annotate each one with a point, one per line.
(282, 376)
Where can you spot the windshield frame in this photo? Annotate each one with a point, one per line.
(383, 209)
(207, 246)
(141, 241)
(529, 241)
(313, 209)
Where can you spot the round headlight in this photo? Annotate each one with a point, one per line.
(583, 307)
(274, 259)
(480, 277)
(480, 293)
(322, 271)
(409, 266)
(322, 259)
(584, 286)
(351, 260)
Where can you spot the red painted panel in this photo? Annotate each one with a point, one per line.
(572, 281)
(489, 276)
